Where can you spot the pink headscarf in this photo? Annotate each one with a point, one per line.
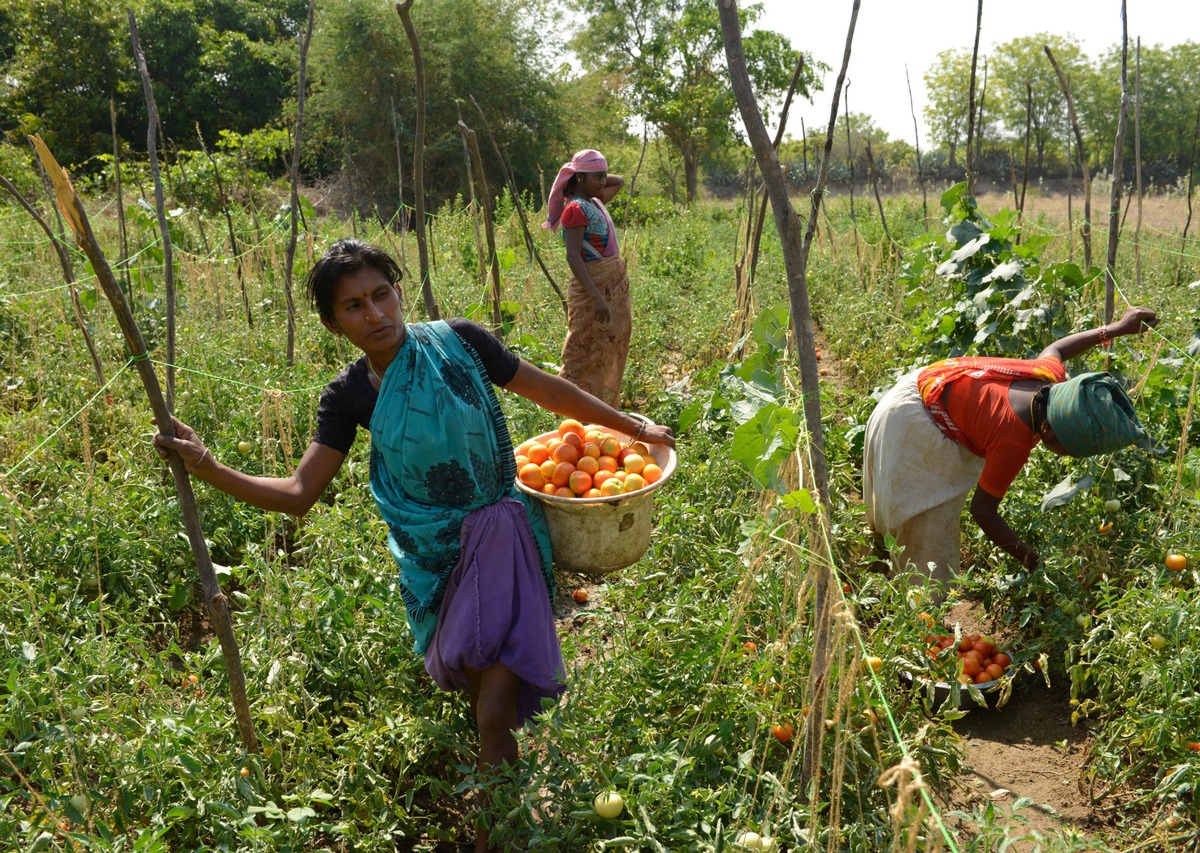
(588, 160)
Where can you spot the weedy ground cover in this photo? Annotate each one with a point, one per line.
(685, 669)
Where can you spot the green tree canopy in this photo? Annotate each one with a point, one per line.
(225, 64)
(670, 60)
(947, 85)
(1170, 93)
(1024, 82)
(364, 98)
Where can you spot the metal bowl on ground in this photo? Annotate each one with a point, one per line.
(939, 692)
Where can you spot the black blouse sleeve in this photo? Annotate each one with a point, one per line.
(500, 364)
(347, 403)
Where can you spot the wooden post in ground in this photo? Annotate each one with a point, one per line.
(795, 255)
(214, 599)
(404, 10)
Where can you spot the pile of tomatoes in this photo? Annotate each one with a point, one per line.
(974, 660)
(585, 462)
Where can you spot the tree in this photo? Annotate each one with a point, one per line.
(1170, 91)
(225, 64)
(946, 84)
(668, 53)
(364, 93)
(64, 62)
(1023, 81)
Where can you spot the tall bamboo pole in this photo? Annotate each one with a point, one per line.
(795, 253)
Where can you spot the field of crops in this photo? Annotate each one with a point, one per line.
(689, 672)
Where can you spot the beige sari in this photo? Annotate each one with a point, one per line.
(594, 353)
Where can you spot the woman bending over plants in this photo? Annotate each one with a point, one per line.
(442, 474)
(599, 313)
(972, 422)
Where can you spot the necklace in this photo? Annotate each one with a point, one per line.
(375, 373)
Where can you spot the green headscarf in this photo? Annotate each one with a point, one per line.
(1091, 414)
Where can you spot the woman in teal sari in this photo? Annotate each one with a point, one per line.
(472, 550)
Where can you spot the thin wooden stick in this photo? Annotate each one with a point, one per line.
(971, 165)
(160, 205)
(217, 604)
(917, 139)
(518, 205)
(1188, 221)
(124, 235)
(294, 196)
(1137, 163)
(879, 201)
(223, 200)
(1085, 230)
(1025, 162)
(1114, 201)
(485, 200)
(64, 261)
(404, 10)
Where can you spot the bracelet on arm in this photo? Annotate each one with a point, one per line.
(196, 467)
(1105, 338)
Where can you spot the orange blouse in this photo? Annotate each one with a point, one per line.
(968, 398)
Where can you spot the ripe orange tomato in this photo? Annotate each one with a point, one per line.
(580, 595)
(783, 732)
(1177, 562)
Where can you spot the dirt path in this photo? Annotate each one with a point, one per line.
(1027, 749)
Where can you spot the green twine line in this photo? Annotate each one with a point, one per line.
(229, 381)
(64, 424)
(895, 727)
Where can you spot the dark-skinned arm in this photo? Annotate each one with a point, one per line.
(294, 494)
(985, 509)
(612, 186)
(1133, 322)
(557, 395)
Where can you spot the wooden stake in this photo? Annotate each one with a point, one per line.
(214, 599)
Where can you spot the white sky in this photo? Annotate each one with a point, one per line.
(891, 34)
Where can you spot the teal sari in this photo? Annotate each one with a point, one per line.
(440, 449)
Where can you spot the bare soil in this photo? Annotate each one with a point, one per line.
(1028, 748)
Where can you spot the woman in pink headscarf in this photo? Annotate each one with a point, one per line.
(599, 315)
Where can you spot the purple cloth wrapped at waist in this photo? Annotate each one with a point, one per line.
(496, 610)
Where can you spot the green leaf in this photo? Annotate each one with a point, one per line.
(800, 499)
